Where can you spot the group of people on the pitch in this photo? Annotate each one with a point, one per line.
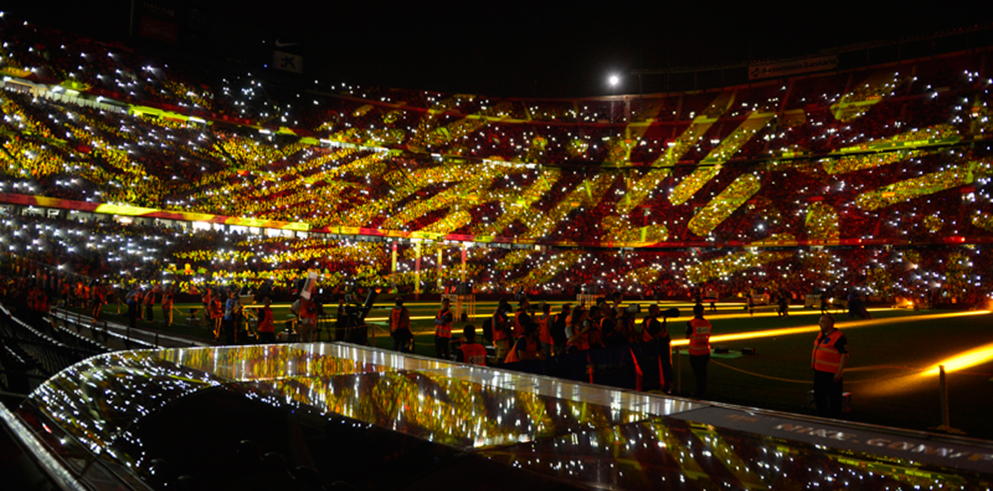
(537, 337)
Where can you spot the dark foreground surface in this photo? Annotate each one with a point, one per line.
(302, 416)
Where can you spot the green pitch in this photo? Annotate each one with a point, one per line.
(884, 374)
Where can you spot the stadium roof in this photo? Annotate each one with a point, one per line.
(504, 49)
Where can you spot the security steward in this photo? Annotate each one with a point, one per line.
(470, 351)
(443, 331)
(828, 361)
(501, 331)
(698, 332)
(403, 339)
(267, 326)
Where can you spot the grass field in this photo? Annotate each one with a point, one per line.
(885, 374)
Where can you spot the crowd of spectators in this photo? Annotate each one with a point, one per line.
(880, 152)
(143, 161)
(104, 252)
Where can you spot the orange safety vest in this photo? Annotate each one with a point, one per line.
(443, 330)
(473, 353)
(530, 347)
(499, 333)
(216, 310)
(699, 337)
(512, 355)
(825, 357)
(582, 343)
(544, 335)
(396, 318)
(266, 324)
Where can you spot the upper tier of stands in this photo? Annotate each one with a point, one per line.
(890, 153)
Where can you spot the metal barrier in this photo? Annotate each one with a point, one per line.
(461, 304)
(588, 299)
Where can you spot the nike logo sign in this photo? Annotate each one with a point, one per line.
(283, 45)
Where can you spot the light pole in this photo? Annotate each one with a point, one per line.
(613, 81)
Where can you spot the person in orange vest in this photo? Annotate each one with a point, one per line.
(43, 303)
(34, 299)
(526, 347)
(403, 339)
(470, 351)
(84, 299)
(267, 327)
(828, 361)
(443, 331)
(501, 330)
(167, 298)
(99, 298)
(31, 299)
(308, 320)
(698, 332)
(522, 317)
(149, 302)
(78, 294)
(578, 330)
(216, 315)
(544, 334)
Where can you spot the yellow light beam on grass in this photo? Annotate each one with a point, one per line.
(794, 311)
(753, 335)
(843, 326)
(962, 361)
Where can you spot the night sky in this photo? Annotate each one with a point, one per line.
(507, 48)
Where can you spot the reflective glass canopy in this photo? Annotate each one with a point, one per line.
(379, 419)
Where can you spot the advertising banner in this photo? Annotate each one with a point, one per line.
(785, 68)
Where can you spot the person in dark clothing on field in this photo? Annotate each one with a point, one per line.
(132, 301)
(653, 331)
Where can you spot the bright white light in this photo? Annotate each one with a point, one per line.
(614, 80)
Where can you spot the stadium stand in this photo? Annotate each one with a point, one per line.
(879, 156)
